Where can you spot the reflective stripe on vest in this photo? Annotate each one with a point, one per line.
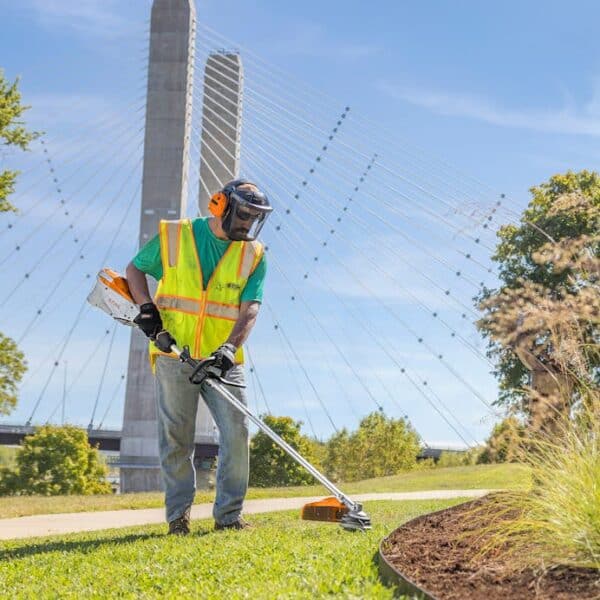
(201, 319)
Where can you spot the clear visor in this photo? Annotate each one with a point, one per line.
(246, 219)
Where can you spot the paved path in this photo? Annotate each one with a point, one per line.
(41, 525)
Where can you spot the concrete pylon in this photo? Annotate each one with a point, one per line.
(219, 151)
(164, 193)
(221, 124)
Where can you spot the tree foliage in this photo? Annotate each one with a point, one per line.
(12, 133)
(56, 460)
(270, 465)
(12, 369)
(562, 211)
(380, 446)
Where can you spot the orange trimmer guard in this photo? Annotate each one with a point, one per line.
(328, 509)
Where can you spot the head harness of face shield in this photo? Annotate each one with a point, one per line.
(243, 211)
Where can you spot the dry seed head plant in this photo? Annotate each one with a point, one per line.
(556, 335)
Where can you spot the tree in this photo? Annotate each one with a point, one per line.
(12, 133)
(56, 460)
(12, 369)
(505, 443)
(380, 446)
(270, 465)
(563, 210)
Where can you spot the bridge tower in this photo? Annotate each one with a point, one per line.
(221, 123)
(219, 158)
(164, 193)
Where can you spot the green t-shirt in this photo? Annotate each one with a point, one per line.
(210, 251)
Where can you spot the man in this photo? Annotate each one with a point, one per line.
(211, 273)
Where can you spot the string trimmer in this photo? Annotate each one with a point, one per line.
(111, 294)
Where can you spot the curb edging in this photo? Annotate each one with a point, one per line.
(392, 577)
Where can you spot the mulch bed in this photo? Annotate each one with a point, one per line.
(432, 552)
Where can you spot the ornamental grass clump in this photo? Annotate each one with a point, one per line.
(557, 335)
(558, 520)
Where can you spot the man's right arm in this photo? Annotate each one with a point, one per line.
(138, 285)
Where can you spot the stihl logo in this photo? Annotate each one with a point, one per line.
(228, 286)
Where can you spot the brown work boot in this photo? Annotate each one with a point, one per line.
(181, 525)
(237, 525)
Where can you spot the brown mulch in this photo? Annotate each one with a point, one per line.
(435, 554)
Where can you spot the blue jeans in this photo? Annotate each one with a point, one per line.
(177, 404)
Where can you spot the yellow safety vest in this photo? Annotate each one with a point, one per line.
(199, 318)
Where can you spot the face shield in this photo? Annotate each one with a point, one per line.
(246, 215)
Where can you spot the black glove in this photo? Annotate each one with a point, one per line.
(149, 320)
(164, 340)
(224, 359)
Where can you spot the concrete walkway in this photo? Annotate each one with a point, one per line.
(42, 525)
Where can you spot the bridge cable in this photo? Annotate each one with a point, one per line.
(332, 341)
(114, 395)
(255, 374)
(88, 239)
(82, 246)
(451, 369)
(50, 160)
(435, 314)
(420, 339)
(82, 369)
(103, 376)
(457, 273)
(390, 141)
(314, 107)
(63, 203)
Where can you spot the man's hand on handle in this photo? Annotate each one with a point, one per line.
(224, 359)
(150, 323)
(164, 340)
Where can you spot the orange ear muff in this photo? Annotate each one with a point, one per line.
(217, 204)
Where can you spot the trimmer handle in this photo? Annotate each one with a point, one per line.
(201, 368)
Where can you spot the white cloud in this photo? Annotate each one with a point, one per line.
(86, 17)
(567, 119)
(313, 39)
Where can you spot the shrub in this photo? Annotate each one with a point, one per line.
(558, 520)
(7, 456)
(56, 460)
(505, 442)
(270, 465)
(380, 446)
(460, 458)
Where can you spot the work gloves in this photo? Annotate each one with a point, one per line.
(224, 359)
(150, 323)
(149, 320)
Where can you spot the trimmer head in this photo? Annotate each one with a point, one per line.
(332, 510)
(356, 520)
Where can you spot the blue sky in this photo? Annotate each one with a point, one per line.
(461, 101)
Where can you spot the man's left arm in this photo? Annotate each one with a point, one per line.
(224, 356)
(244, 324)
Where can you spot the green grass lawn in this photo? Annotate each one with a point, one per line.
(508, 476)
(283, 557)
